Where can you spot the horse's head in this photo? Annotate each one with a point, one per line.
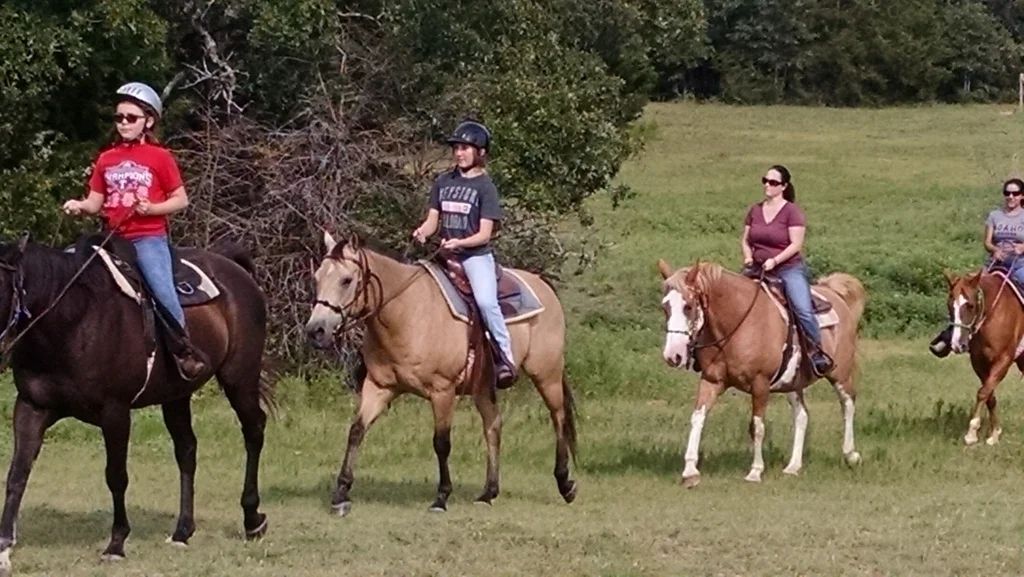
(683, 300)
(964, 307)
(342, 283)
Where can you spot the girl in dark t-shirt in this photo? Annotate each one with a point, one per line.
(773, 238)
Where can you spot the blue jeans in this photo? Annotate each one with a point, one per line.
(153, 255)
(482, 279)
(798, 292)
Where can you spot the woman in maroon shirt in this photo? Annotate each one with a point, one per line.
(773, 239)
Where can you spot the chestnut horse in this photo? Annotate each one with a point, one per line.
(986, 319)
(407, 321)
(79, 352)
(738, 334)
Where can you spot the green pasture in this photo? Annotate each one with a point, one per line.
(892, 196)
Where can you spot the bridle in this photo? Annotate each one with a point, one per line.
(692, 346)
(369, 285)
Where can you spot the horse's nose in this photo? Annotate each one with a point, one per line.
(316, 334)
(674, 360)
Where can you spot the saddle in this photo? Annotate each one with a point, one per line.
(507, 286)
(819, 305)
(193, 286)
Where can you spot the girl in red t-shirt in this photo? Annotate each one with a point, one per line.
(773, 237)
(136, 184)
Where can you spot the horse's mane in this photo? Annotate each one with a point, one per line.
(47, 270)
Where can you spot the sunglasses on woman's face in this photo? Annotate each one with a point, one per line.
(1012, 193)
(127, 118)
(771, 181)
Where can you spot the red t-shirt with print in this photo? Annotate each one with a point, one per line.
(128, 172)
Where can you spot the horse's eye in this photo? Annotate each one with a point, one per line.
(346, 282)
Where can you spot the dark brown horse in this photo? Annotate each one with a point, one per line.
(987, 321)
(86, 358)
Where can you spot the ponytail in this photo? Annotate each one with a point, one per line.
(790, 192)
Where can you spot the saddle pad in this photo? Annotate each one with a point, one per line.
(194, 286)
(516, 308)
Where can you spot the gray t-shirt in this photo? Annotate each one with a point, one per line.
(462, 202)
(1006, 229)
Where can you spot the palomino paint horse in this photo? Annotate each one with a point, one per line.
(988, 321)
(85, 357)
(738, 334)
(407, 320)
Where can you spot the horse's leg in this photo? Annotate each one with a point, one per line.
(30, 424)
(988, 388)
(759, 400)
(847, 394)
(994, 430)
(796, 460)
(558, 397)
(178, 420)
(443, 404)
(372, 401)
(491, 419)
(242, 391)
(116, 426)
(707, 393)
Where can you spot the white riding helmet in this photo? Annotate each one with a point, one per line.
(144, 94)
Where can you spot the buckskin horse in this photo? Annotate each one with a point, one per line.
(409, 311)
(985, 316)
(81, 352)
(741, 335)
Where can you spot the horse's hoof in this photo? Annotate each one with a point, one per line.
(794, 471)
(570, 494)
(438, 509)
(111, 557)
(175, 543)
(5, 563)
(483, 501)
(753, 477)
(853, 458)
(691, 481)
(342, 509)
(970, 439)
(258, 532)
(993, 439)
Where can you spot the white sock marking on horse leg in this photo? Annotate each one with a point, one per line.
(848, 407)
(5, 562)
(758, 465)
(796, 460)
(972, 431)
(693, 445)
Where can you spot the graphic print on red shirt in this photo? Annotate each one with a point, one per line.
(128, 173)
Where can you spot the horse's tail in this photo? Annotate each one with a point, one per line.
(569, 423)
(236, 252)
(269, 376)
(850, 289)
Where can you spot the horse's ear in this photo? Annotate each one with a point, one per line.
(691, 276)
(329, 242)
(664, 269)
(354, 241)
(23, 241)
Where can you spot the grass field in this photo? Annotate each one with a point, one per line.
(892, 196)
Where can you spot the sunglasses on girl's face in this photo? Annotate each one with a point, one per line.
(127, 118)
(1012, 193)
(771, 181)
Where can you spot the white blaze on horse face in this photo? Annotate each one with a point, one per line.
(954, 340)
(677, 339)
